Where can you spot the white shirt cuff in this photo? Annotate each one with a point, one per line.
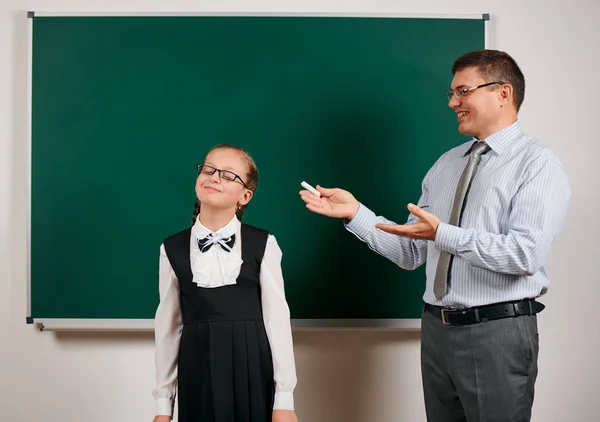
(362, 223)
(283, 401)
(446, 238)
(164, 407)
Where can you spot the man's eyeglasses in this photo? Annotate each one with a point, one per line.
(462, 92)
(223, 174)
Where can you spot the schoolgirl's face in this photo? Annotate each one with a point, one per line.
(221, 180)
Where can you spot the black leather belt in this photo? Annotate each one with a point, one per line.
(484, 313)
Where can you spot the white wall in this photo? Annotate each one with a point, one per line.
(353, 376)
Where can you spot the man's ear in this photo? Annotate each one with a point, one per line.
(506, 95)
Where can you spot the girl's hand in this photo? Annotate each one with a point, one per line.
(284, 415)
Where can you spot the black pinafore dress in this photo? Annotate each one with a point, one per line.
(225, 366)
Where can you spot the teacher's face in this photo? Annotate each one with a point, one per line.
(477, 110)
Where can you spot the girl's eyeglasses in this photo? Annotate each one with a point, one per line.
(223, 174)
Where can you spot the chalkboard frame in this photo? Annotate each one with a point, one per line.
(148, 324)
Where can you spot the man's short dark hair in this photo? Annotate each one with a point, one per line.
(494, 65)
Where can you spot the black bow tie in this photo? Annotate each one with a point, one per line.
(226, 243)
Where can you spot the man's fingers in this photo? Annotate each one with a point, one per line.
(310, 198)
(326, 191)
(315, 204)
(317, 209)
(416, 211)
(397, 229)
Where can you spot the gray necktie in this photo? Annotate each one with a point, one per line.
(440, 283)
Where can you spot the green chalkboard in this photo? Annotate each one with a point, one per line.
(123, 108)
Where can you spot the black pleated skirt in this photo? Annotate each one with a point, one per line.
(225, 372)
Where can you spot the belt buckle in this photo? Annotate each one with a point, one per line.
(444, 310)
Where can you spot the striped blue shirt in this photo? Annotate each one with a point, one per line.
(515, 207)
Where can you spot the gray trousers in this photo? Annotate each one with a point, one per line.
(479, 373)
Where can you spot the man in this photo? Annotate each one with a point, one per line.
(488, 213)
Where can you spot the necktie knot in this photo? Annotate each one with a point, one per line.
(226, 243)
(480, 148)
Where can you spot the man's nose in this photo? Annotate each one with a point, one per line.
(454, 101)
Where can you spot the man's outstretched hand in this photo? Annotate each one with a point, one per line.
(424, 228)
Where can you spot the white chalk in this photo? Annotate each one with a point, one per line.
(310, 189)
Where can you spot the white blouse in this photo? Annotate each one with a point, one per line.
(211, 269)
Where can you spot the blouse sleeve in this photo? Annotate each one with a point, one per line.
(276, 316)
(167, 332)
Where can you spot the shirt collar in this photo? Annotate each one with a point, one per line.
(501, 140)
(229, 229)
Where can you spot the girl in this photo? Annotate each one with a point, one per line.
(222, 328)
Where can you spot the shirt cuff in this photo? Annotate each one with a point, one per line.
(164, 407)
(283, 401)
(362, 223)
(446, 238)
